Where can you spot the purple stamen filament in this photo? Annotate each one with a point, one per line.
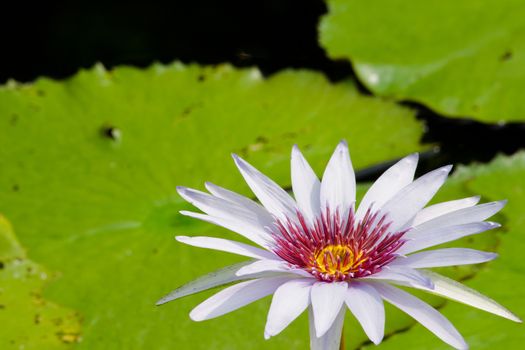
(335, 249)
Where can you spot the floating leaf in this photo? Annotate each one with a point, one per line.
(501, 279)
(89, 168)
(461, 58)
(28, 320)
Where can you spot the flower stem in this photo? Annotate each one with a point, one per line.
(342, 343)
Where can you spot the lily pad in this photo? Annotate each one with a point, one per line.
(461, 58)
(501, 279)
(399, 322)
(28, 320)
(89, 167)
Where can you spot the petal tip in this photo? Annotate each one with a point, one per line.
(236, 158)
(413, 157)
(181, 189)
(492, 256)
(182, 239)
(492, 225)
(342, 146)
(462, 346)
(376, 340)
(511, 316)
(196, 316)
(296, 153)
(241, 163)
(447, 168)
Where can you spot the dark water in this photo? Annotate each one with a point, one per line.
(55, 39)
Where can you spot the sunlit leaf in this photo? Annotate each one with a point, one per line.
(89, 166)
(461, 58)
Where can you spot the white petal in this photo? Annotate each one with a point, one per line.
(332, 338)
(226, 245)
(233, 197)
(264, 217)
(367, 306)
(434, 236)
(423, 313)
(235, 297)
(401, 274)
(229, 209)
(462, 216)
(338, 185)
(289, 301)
(412, 198)
(216, 278)
(270, 266)
(305, 185)
(453, 290)
(276, 200)
(387, 185)
(439, 209)
(444, 257)
(327, 299)
(263, 265)
(257, 235)
(221, 208)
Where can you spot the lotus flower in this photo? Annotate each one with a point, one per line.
(321, 252)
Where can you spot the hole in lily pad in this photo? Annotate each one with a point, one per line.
(112, 133)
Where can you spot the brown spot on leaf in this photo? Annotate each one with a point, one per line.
(507, 55)
(186, 112)
(260, 141)
(14, 119)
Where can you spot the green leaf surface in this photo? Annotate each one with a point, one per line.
(460, 58)
(28, 320)
(397, 321)
(89, 168)
(502, 279)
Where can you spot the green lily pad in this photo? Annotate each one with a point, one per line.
(501, 279)
(460, 58)
(28, 320)
(397, 321)
(89, 168)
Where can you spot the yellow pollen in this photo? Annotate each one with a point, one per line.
(338, 259)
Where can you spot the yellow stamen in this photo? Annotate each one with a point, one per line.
(338, 259)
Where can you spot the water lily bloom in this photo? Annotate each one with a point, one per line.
(320, 251)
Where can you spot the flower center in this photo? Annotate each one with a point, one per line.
(337, 260)
(335, 248)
